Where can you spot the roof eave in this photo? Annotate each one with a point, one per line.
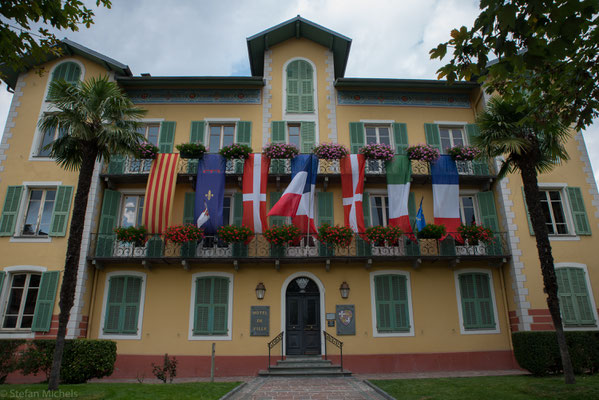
(402, 83)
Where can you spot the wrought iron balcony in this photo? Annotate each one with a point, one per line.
(106, 248)
(129, 170)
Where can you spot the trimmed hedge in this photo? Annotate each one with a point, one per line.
(8, 357)
(538, 352)
(82, 359)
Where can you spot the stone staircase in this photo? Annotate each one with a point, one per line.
(304, 366)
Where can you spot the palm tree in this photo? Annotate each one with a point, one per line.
(530, 149)
(99, 121)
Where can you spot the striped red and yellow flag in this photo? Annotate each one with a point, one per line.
(160, 192)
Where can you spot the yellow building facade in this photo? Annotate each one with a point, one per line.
(410, 307)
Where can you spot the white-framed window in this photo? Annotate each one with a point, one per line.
(211, 307)
(220, 135)
(293, 134)
(150, 131)
(477, 309)
(379, 134)
(48, 137)
(379, 209)
(38, 212)
(131, 213)
(21, 298)
(576, 300)
(469, 210)
(552, 203)
(391, 303)
(451, 136)
(123, 305)
(299, 84)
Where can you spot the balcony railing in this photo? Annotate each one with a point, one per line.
(106, 246)
(133, 166)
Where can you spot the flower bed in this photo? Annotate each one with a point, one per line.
(147, 150)
(236, 150)
(191, 150)
(281, 235)
(464, 153)
(132, 234)
(330, 151)
(234, 234)
(280, 151)
(423, 152)
(475, 234)
(183, 233)
(377, 151)
(335, 235)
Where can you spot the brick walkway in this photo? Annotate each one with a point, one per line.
(297, 388)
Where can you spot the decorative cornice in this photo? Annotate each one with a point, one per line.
(195, 96)
(401, 98)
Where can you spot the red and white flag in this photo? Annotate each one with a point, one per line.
(255, 178)
(352, 186)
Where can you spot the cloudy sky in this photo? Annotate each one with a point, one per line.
(390, 38)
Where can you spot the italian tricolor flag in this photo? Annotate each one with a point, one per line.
(399, 174)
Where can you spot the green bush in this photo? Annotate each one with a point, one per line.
(82, 359)
(538, 352)
(8, 357)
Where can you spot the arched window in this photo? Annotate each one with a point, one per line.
(300, 87)
(68, 71)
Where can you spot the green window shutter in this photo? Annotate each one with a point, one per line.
(117, 165)
(366, 209)
(237, 209)
(433, 138)
(154, 247)
(307, 136)
(293, 87)
(2, 276)
(412, 209)
(275, 221)
(60, 214)
(306, 86)
(477, 304)
(68, 71)
(278, 132)
(122, 305)
(108, 221)
(579, 213)
(188, 208)
(325, 216)
(196, 134)
(244, 133)
(211, 306)
(44, 306)
(166, 138)
(10, 211)
(573, 295)
(400, 136)
(130, 307)
(481, 167)
(530, 229)
(363, 247)
(488, 213)
(357, 136)
(391, 302)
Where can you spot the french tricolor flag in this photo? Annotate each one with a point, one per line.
(446, 193)
(255, 178)
(297, 200)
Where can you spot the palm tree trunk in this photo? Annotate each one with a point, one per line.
(533, 201)
(69, 279)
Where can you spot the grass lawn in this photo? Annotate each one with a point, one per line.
(491, 387)
(124, 391)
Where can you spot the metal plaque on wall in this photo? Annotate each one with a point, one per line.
(259, 320)
(346, 319)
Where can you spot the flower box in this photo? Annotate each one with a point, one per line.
(280, 151)
(137, 236)
(423, 152)
(191, 150)
(236, 151)
(183, 233)
(330, 151)
(146, 150)
(234, 234)
(376, 151)
(464, 153)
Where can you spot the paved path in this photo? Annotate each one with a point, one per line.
(298, 388)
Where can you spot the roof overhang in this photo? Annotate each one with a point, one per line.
(383, 83)
(298, 27)
(67, 48)
(187, 81)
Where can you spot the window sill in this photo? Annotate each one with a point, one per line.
(116, 336)
(11, 334)
(30, 239)
(393, 334)
(39, 158)
(581, 328)
(479, 331)
(209, 337)
(564, 238)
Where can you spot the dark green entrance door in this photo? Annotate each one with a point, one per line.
(303, 317)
